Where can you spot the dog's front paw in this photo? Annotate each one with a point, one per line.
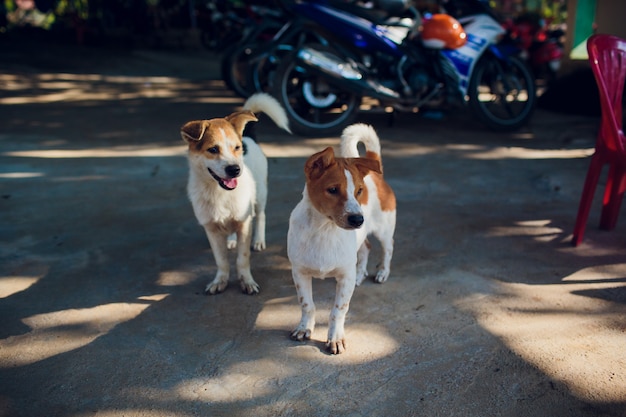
(336, 347)
(258, 246)
(250, 288)
(215, 287)
(301, 334)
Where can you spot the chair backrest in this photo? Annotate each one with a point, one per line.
(607, 56)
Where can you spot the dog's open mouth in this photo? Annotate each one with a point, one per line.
(225, 183)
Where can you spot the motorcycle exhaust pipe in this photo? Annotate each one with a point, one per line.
(345, 75)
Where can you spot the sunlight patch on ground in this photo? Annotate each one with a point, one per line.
(111, 152)
(566, 330)
(365, 342)
(526, 153)
(280, 313)
(154, 297)
(20, 175)
(302, 149)
(63, 331)
(175, 278)
(539, 228)
(13, 285)
(599, 273)
(51, 88)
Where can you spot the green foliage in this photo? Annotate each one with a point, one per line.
(77, 8)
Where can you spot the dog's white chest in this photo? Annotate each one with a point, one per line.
(321, 248)
(214, 205)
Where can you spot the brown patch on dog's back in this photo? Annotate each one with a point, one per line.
(376, 157)
(386, 195)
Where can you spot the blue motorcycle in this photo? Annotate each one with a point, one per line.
(436, 61)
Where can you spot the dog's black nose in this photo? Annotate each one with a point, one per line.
(355, 220)
(233, 171)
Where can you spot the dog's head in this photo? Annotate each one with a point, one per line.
(336, 186)
(216, 146)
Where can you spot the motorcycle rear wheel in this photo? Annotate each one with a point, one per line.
(235, 69)
(502, 94)
(314, 106)
(263, 66)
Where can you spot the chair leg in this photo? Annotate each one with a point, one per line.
(591, 182)
(613, 196)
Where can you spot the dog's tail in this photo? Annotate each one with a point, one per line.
(365, 134)
(264, 103)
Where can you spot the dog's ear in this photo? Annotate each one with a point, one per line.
(365, 165)
(318, 163)
(192, 132)
(240, 119)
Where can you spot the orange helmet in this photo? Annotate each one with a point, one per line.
(443, 31)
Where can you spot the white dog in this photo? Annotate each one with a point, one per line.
(344, 200)
(228, 186)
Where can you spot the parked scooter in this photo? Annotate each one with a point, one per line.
(249, 65)
(441, 62)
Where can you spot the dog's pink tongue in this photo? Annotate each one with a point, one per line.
(231, 183)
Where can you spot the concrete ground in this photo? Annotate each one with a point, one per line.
(489, 311)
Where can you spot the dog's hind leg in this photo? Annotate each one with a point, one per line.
(220, 252)
(259, 230)
(244, 236)
(361, 264)
(259, 209)
(385, 266)
(385, 237)
(231, 243)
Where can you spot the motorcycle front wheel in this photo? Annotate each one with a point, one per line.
(502, 94)
(314, 106)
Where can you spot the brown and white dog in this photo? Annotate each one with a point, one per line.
(345, 199)
(227, 186)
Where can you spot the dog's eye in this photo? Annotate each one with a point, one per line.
(237, 147)
(213, 149)
(332, 190)
(359, 192)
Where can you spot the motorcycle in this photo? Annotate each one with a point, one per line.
(440, 62)
(241, 68)
(541, 47)
(249, 65)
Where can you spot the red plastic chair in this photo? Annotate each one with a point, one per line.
(607, 56)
